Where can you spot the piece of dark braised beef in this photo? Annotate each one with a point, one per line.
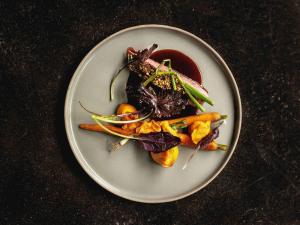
(138, 59)
(163, 103)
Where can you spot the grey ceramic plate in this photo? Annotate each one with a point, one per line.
(130, 173)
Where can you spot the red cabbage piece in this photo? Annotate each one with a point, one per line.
(158, 141)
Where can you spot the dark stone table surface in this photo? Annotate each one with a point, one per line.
(42, 43)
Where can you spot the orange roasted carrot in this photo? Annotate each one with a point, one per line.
(186, 140)
(188, 120)
(212, 146)
(97, 128)
(125, 108)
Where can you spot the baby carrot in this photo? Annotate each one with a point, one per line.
(212, 146)
(186, 140)
(97, 128)
(188, 120)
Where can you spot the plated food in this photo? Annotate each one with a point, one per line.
(130, 172)
(165, 107)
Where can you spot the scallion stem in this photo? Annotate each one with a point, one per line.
(173, 82)
(222, 147)
(172, 76)
(124, 141)
(223, 117)
(198, 94)
(197, 104)
(108, 120)
(153, 76)
(94, 117)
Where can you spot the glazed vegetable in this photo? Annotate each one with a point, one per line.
(188, 120)
(148, 127)
(212, 146)
(167, 128)
(97, 128)
(131, 126)
(125, 108)
(186, 140)
(199, 130)
(209, 138)
(130, 110)
(166, 158)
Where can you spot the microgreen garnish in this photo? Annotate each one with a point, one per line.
(112, 84)
(114, 119)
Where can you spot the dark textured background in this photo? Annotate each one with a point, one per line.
(41, 44)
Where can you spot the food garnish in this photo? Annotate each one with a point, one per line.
(161, 112)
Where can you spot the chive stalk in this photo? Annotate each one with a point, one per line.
(173, 82)
(153, 76)
(197, 104)
(222, 147)
(198, 94)
(114, 121)
(223, 117)
(172, 75)
(96, 119)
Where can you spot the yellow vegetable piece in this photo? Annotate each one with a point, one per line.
(199, 130)
(125, 108)
(131, 126)
(166, 158)
(167, 128)
(148, 127)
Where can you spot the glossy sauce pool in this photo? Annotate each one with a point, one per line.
(179, 62)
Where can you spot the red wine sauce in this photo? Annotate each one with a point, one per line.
(180, 62)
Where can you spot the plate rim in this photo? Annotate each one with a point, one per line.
(84, 164)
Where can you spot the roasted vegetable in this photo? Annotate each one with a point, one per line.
(148, 127)
(188, 120)
(167, 128)
(212, 146)
(125, 108)
(96, 127)
(166, 158)
(199, 130)
(208, 139)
